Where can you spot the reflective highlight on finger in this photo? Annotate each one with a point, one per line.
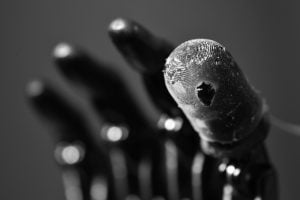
(69, 154)
(170, 124)
(114, 133)
(63, 50)
(35, 88)
(118, 25)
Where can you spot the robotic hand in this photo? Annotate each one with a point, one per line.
(132, 158)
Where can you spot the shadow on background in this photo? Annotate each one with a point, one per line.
(263, 37)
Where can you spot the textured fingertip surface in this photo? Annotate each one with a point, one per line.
(183, 66)
(212, 91)
(196, 50)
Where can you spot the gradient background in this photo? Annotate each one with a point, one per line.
(263, 36)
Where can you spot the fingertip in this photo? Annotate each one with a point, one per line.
(63, 50)
(128, 32)
(118, 24)
(35, 88)
(39, 93)
(121, 27)
(68, 58)
(80, 68)
(143, 50)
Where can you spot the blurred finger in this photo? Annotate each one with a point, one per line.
(57, 112)
(143, 50)
(147, 54)
(109, 93)
(75, 151)
(83, 70)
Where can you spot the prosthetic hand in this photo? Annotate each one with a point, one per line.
(129, 157)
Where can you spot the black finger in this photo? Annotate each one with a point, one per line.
(82, 69)
(75, 151)
(57, 112)
(143, 50)
(108, 91)
(147, 54)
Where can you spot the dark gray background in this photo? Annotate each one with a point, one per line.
(263, 36)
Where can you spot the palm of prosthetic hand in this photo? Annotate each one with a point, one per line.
(129, 157)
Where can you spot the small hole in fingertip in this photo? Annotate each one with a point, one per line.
(205, 92)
